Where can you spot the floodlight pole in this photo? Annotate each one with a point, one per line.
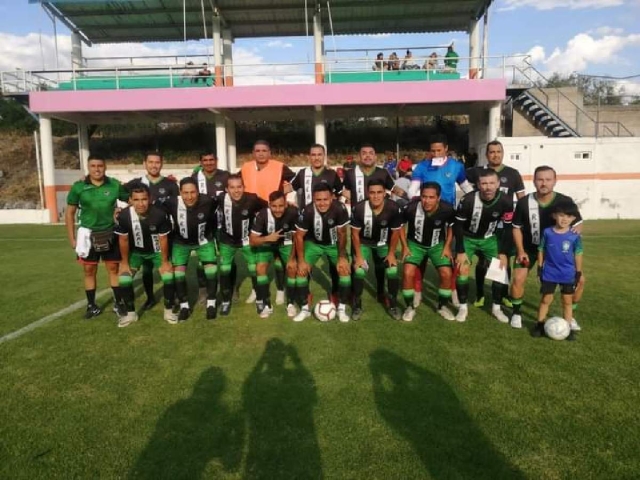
(48, 168)
(474, 48)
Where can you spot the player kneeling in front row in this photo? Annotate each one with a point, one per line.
(143, 231)
(477, 219)
(272, 237)
(322, 231)
(559, 264)
(429, 236)
(371, 221)
(194, 221)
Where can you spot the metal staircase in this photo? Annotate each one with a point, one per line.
(542, 116)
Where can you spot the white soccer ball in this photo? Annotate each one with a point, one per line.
(325, 311)
(557, 328)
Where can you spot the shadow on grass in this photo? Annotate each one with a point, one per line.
(193, 432)
(279, 397)
(425, 410)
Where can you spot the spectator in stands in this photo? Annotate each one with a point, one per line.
(390, 164)
(408, 62)
(451, 59)
(394, 62)
(401, 193)
(380, 64)
(187, 75)
(204, 74)
(471, 158)
(350, 163)
(432, 62)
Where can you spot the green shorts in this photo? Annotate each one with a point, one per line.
(532, 252)
(313, 251)
(137, 259)
(228, 254)
(181, 253)
(377, 253)
(267, 253)
(481, 247)
(434, 254)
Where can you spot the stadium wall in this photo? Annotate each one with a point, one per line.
(602, 175)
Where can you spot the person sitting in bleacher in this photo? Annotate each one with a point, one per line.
(394, 62)
(187, 75)
(451, 59)
(204, 75)
(408, 62)
(432, 62)
(380, 64)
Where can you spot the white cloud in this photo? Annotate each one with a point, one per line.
(279, 44)
(604, 30)
(506, 5)
(37, 52)
(584, 50)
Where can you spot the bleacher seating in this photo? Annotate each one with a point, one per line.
(390, 76)
(131, 82)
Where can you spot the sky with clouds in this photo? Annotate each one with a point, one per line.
(597, 37)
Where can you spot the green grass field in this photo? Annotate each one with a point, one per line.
(243, 397)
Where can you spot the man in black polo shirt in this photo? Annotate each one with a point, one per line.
(96, 197)
(143, 231)
(160, 188)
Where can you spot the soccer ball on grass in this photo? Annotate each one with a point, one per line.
(557, 328)
(325, 311)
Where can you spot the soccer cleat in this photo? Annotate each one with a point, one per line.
(506, 302)
(212, 310)
(446, 313)
(356, 313)
(183, 314)
(463, 311)
(92, 311)
(292, 311)
(479, 302)
(574, 325)
(516, 321)
(251, 298)
(455, 301)
(342, 314)
(408, 314)
(149, 304)
(538, 330)
(280, 297)
(302, 315)
(170, 317)
(127, 319)
(225, 309)
(395, 313)
(498, 314)
(417, 299)
(266, 312)
(119, 309)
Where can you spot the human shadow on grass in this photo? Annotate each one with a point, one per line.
(425, 410)
(279, 397)
(192, 433)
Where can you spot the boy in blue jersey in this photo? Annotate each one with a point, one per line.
(559, 264)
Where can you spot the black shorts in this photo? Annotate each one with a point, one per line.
(549, 288)
(111, 255)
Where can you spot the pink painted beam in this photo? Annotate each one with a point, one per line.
(446, 91)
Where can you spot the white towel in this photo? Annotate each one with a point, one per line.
(83, 242)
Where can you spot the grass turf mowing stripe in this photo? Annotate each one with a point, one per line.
(50, 318)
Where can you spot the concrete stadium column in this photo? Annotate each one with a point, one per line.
(227, 54)
(318, 46)
(221, 141)
(76, 51)
(48, 168)
(474, 48)
(83, 147)
(217, 53)
(231, 145)
(485, 42)
(495, 122)
(320, 129)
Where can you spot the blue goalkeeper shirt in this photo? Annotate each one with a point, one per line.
(446, 176)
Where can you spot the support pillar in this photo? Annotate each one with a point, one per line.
(320, 129)
(221, 142)
(83, 147)
(318, 46)
(227, 53)
(474, 48)
(485, 42)
(48, 168)
(231, 145)
(495, 121)
(217, 53)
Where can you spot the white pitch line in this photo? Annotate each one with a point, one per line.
(49, 318)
